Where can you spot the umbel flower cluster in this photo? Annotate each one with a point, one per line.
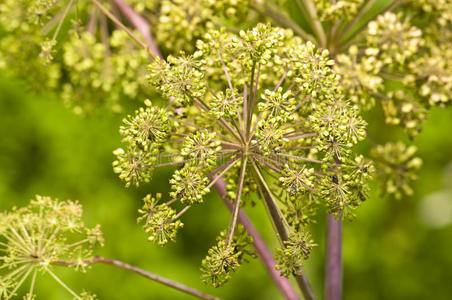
(403, 62)
(39, 236)
(397, 166)
(400, 59)
(264, 111)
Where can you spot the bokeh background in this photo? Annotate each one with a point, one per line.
(395, 249)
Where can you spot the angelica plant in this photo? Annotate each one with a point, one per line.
(274, 111)
(263, 110)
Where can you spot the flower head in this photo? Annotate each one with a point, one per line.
(262, 109)
(296, 249)
(159, 220)
(44, 233)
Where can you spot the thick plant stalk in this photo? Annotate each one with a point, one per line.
(149, 275)
(259, 244)
(333, 272)
(272, 209)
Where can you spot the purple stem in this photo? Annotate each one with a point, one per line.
(140, 24)
(333, 271)
(144, 273)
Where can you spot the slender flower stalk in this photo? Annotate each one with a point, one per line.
(115, 20)
(141, 272)
(140, 24)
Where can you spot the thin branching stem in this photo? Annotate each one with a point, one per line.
(224, 165)
(253, 130)
(139, 271)
(249, 112)
(290, 133)
(189, 124)
(298, 148)
(230, 145)
(229, 165)
(179, 214)
(261, 247)
(223, 123)
(140, 24)
(228, 78)
(268, 192)
(171, 163)
(115, 20)
(270, 166)
(281, 80)
(57, 279)
(33, 281)
(299, 105)
(60, 23)
(21, 281)
(301, 158)
(235, 213)
(307, 8)
(299, 136)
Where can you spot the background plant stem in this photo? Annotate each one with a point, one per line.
(140, 24)
(149, 275)
(333, 271)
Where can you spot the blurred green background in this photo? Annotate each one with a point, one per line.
(393, 250)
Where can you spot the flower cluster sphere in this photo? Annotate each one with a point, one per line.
(264, 111)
